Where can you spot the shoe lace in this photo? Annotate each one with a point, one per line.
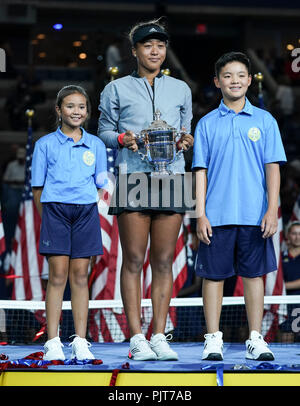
(53, 344)
(164, 340)
(212, 339)
(212, 336)
(169, 337)
(143, 342)
(259, 340)
(84, 340)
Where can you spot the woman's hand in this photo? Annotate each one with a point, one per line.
(129, 141)
(186, 141)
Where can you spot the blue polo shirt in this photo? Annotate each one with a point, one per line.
(69, 172)
(235, 148)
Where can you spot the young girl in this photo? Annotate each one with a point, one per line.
(127, 106)
(68, 167)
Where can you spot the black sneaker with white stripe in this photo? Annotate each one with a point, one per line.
(257, 349)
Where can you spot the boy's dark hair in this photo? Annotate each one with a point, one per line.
(232, 57)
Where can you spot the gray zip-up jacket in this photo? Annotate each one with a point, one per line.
(129, 103)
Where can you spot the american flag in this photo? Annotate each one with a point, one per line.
(2, 238)
(296, 211)
(274, 314)
(110, 324)
(27, 265)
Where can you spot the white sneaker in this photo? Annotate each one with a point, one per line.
(139, 349)
(53, 350)
(257, 348)
(80, 349)
(213, 347)
(161, 347)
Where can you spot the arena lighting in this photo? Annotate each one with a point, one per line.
(82, 55)
(57, 26)
(77, 44)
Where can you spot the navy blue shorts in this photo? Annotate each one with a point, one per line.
(236, 250)
(70, 229)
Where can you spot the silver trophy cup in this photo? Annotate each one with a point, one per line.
(160, 144)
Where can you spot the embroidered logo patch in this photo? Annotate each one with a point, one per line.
(254, 134)
(88, 158)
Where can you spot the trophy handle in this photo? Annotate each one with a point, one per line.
(178, 135)
(140, 140)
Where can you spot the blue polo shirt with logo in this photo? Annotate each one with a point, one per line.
(69, 172)
(234, 147)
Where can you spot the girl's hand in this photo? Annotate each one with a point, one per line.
(129, 141)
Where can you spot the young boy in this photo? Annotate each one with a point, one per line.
(237, 151)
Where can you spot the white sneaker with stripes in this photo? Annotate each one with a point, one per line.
(257, 349)
(80, 348)
(140, 350)
(159, 344)
(213, 346)
(53, 351)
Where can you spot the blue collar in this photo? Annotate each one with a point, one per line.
(63, 137)
(248, 108)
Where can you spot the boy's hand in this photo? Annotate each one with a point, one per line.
(204, 230)
(269, 223)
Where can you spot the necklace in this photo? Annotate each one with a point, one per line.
(152, 98)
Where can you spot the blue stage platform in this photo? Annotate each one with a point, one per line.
(114, 358)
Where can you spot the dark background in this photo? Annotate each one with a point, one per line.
(43, 59)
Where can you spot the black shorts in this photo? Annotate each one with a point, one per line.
(145, 193)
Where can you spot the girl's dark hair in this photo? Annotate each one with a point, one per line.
(67, 91)
(232, 57)
(156, 21)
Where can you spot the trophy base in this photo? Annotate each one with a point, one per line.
(157, 174)
(160, 170)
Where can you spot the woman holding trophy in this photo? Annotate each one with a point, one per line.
(147, 99)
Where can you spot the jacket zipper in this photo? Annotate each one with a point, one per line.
(152, 98)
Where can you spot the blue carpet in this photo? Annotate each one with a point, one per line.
(114, 356)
